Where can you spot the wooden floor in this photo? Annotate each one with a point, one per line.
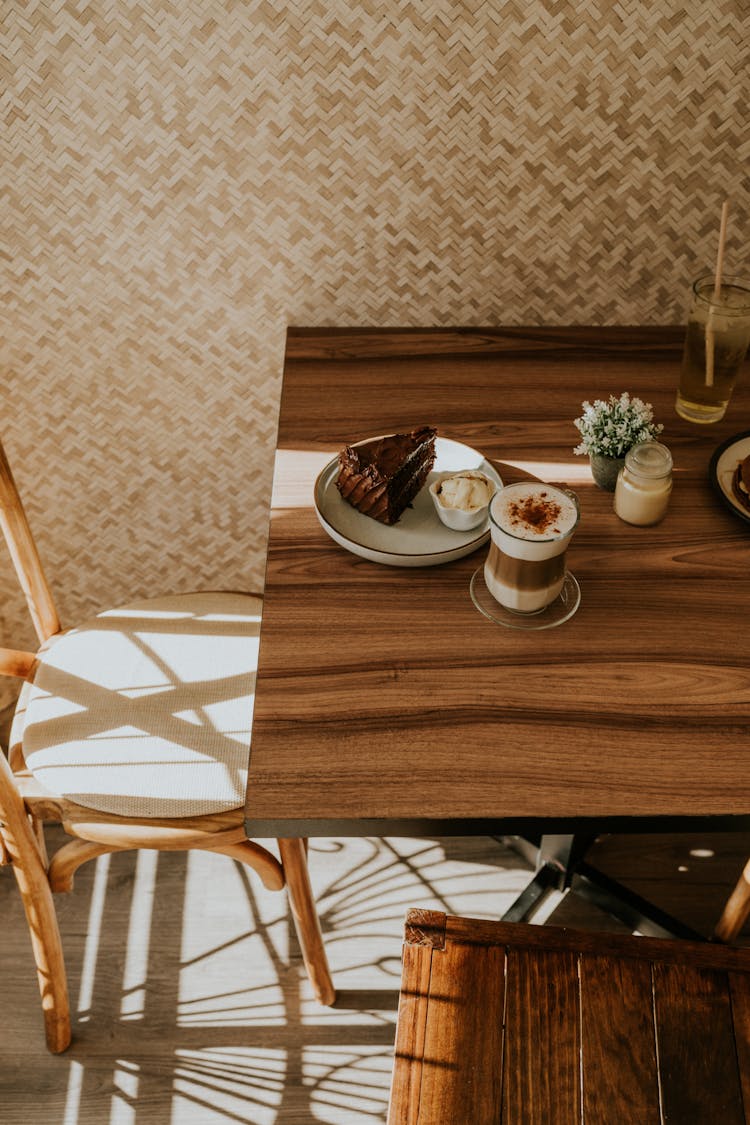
(190, 1005)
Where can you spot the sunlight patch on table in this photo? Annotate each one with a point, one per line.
(295, 473)
(568, 472)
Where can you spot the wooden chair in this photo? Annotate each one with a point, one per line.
(536, 1025)
(132, 731)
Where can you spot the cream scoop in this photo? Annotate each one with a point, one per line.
(465, 491)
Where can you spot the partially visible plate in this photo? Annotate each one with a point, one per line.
(419, 538)
(722, 468)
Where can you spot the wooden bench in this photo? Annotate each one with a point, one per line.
(504, 1023)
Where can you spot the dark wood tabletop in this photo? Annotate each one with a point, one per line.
(386, 702)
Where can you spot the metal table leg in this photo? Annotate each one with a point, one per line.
(555, 859)
(560, 866)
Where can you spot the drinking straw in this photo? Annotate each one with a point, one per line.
(716, 295)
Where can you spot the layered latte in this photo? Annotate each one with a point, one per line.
(531, 525)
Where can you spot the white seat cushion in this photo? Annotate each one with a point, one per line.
(146, 711)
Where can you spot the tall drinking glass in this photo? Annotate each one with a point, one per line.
(716, 342)
(531, 525)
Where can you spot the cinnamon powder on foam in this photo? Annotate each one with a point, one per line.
(539, 512)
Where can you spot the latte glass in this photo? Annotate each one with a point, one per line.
(531, 525)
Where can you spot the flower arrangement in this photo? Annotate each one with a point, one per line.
(613, 427)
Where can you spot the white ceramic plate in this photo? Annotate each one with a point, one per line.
(419, 538)
(722, 468)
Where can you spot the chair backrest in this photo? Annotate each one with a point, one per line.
(25, 557)
(520, 1023)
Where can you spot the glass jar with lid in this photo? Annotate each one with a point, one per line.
(644, 484)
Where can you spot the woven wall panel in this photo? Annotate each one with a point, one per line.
(180, 180)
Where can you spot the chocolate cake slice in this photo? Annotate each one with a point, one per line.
(380, 478)
(741, 483)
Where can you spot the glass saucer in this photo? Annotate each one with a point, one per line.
(563, 607)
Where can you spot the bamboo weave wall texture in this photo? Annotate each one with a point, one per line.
(182, 178)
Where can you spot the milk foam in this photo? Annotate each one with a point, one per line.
(508, 511)
(553, 517)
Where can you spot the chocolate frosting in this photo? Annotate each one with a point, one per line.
(742, 474)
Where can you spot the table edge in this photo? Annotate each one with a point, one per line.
(281, 828)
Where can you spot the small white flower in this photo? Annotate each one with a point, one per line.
(615, 426)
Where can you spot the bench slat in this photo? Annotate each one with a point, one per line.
(540, 1073)
(618, 1042)
(695, 1041)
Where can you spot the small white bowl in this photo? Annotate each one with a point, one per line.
(461, 519)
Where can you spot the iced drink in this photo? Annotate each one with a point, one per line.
(716, 342)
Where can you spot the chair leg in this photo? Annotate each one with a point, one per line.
(307, 924)
(69, 857)
(36, 895)
(38, 827)
(262, 862)
(737, 909)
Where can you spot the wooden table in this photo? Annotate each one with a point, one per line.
(387, 704)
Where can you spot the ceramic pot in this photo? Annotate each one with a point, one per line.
(605, 469)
